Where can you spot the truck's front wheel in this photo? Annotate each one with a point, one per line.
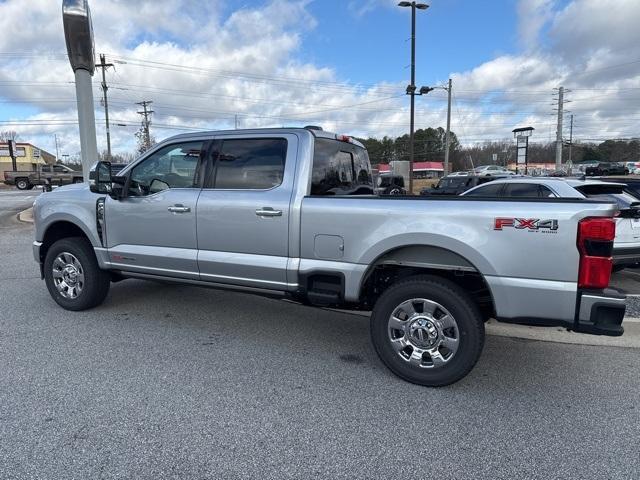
(73, 277)
(22, 183)
(427, 330)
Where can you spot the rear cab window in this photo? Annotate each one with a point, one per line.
(340, 168)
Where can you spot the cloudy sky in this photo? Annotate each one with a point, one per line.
(342, 64)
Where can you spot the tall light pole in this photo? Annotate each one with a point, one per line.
(411, 89)
(78, 32)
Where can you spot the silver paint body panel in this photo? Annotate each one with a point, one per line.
(223, 241)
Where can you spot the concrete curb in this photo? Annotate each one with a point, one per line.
(26, 216)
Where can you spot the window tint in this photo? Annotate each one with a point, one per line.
(527, 190)
(340, 168)
(249, 164)
(58, 169)
(46, 168)
(362, 167)
(173, 166)
(489, 190)
(608, 194)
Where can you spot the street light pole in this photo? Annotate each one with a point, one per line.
(411, 89)
(413, 94)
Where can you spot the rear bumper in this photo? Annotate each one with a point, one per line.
(601, 312)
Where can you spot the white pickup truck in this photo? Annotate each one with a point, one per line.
(291, 213)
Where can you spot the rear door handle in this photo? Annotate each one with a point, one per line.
(179, 209)
(268, 212)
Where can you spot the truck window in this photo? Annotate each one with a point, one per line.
(249, 164)
(58, 169)
(173, 166)
(488, 190)
(46, 169)
(527, 190)
(340, 168)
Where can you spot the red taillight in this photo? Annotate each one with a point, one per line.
(343, 138)
(595, 244)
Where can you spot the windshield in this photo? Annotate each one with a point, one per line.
(452, 182)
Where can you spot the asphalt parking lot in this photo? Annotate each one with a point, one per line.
(184, 382)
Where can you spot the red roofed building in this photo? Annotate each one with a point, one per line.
(420, 169)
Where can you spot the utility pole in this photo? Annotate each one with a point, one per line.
(570, 139)
(559, 129)
(146, 122)
(103, 65)
(446, 136)
(55, 136)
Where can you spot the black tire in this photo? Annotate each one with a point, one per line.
(22, 183)
(469, 322)
(77, 180)
(96, 281)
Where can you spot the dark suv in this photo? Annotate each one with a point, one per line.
(607, 169)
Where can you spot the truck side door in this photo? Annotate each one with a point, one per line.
(152, 229)
(244, 210)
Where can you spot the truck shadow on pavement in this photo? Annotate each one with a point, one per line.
(318, 344)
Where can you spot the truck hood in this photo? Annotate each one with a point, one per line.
(70, 187)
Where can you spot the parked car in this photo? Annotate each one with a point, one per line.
(461, 173)
(489, 170)
(626, 247)
(390, 184)
(603, 169)
(55, 174)
(257, 211)
(456, 184)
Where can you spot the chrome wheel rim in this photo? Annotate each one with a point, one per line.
(68, 275)
(423, 333)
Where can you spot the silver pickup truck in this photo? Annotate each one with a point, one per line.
(291, 213)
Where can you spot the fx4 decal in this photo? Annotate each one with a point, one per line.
(531, 224)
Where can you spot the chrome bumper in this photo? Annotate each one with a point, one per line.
(36, 251)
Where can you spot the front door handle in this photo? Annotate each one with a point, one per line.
(268, 212)
(179, 209)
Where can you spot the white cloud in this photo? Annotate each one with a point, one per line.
(532, 17)
(208, 46)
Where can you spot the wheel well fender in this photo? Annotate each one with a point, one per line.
(58, 230)
(420, 259)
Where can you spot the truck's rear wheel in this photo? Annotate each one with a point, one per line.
(22, 183)
(427, 330)
(73, 277)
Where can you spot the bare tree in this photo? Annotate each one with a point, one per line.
(9, 135)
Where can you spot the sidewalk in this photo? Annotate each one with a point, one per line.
(26, 215)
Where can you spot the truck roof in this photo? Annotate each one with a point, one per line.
(315, 132)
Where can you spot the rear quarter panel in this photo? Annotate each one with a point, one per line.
(516, 262)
